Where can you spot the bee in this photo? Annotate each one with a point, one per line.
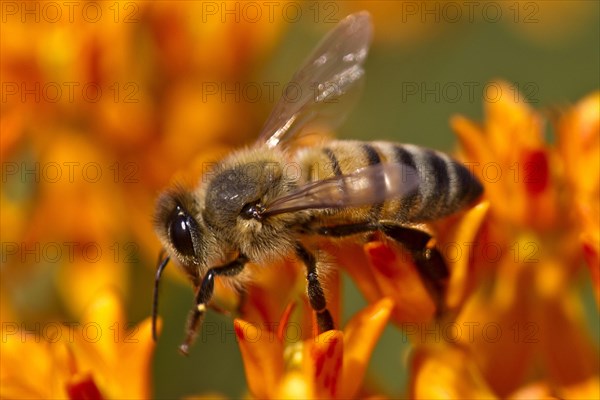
(251, 209)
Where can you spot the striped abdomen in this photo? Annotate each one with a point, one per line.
(445, 185)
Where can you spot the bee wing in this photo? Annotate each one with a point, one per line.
(333, 68)
(366, 186)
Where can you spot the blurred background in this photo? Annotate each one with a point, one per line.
(105, 104)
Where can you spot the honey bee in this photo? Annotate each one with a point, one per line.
(251, 210)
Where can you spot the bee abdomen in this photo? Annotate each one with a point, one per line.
(445, 185)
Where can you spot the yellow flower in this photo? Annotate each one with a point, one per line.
(98, 357)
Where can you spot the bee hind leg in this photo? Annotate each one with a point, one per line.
(316, 296)
(203, 296)
(429, 261)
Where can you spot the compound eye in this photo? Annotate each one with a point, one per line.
(180, 232)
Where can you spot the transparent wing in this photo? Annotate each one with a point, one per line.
(333, 69)
(366, 186)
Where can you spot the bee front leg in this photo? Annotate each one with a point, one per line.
(203, 296)
(316, 296)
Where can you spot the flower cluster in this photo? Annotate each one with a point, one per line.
(101, 108)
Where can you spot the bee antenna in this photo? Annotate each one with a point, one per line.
(161, 264)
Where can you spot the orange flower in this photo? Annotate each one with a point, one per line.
(579, 149)
(444, 372)
(126, 95)
(101, 132)
(524, 321)
(99, 357)
(330, 365)
(382, 268)
(90, 134)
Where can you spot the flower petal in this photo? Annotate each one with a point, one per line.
(262, 355)
(133, 374)
(397, 276)
(442, 372)
(83, 387)
(457, 244)
(323, 360)
(561, 321)
(536, 390)
(591, 253)
(351, 256)
(360, 337)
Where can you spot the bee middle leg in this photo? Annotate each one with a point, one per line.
(203, 296)
(316, 296)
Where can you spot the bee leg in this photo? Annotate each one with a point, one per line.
(316, 296)
(348, 229)
(429, 261)
(203, 296)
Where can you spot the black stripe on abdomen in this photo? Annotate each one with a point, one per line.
(335, 165)
(405, 157)
(440, 192)
(373, 159)
(434, 186)
(467, 187)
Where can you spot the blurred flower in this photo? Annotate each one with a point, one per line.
(97, 117)
(547, 24)
(99, 357)
(445, 372)
(414, 29)
(578, 145)
(524, 321)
